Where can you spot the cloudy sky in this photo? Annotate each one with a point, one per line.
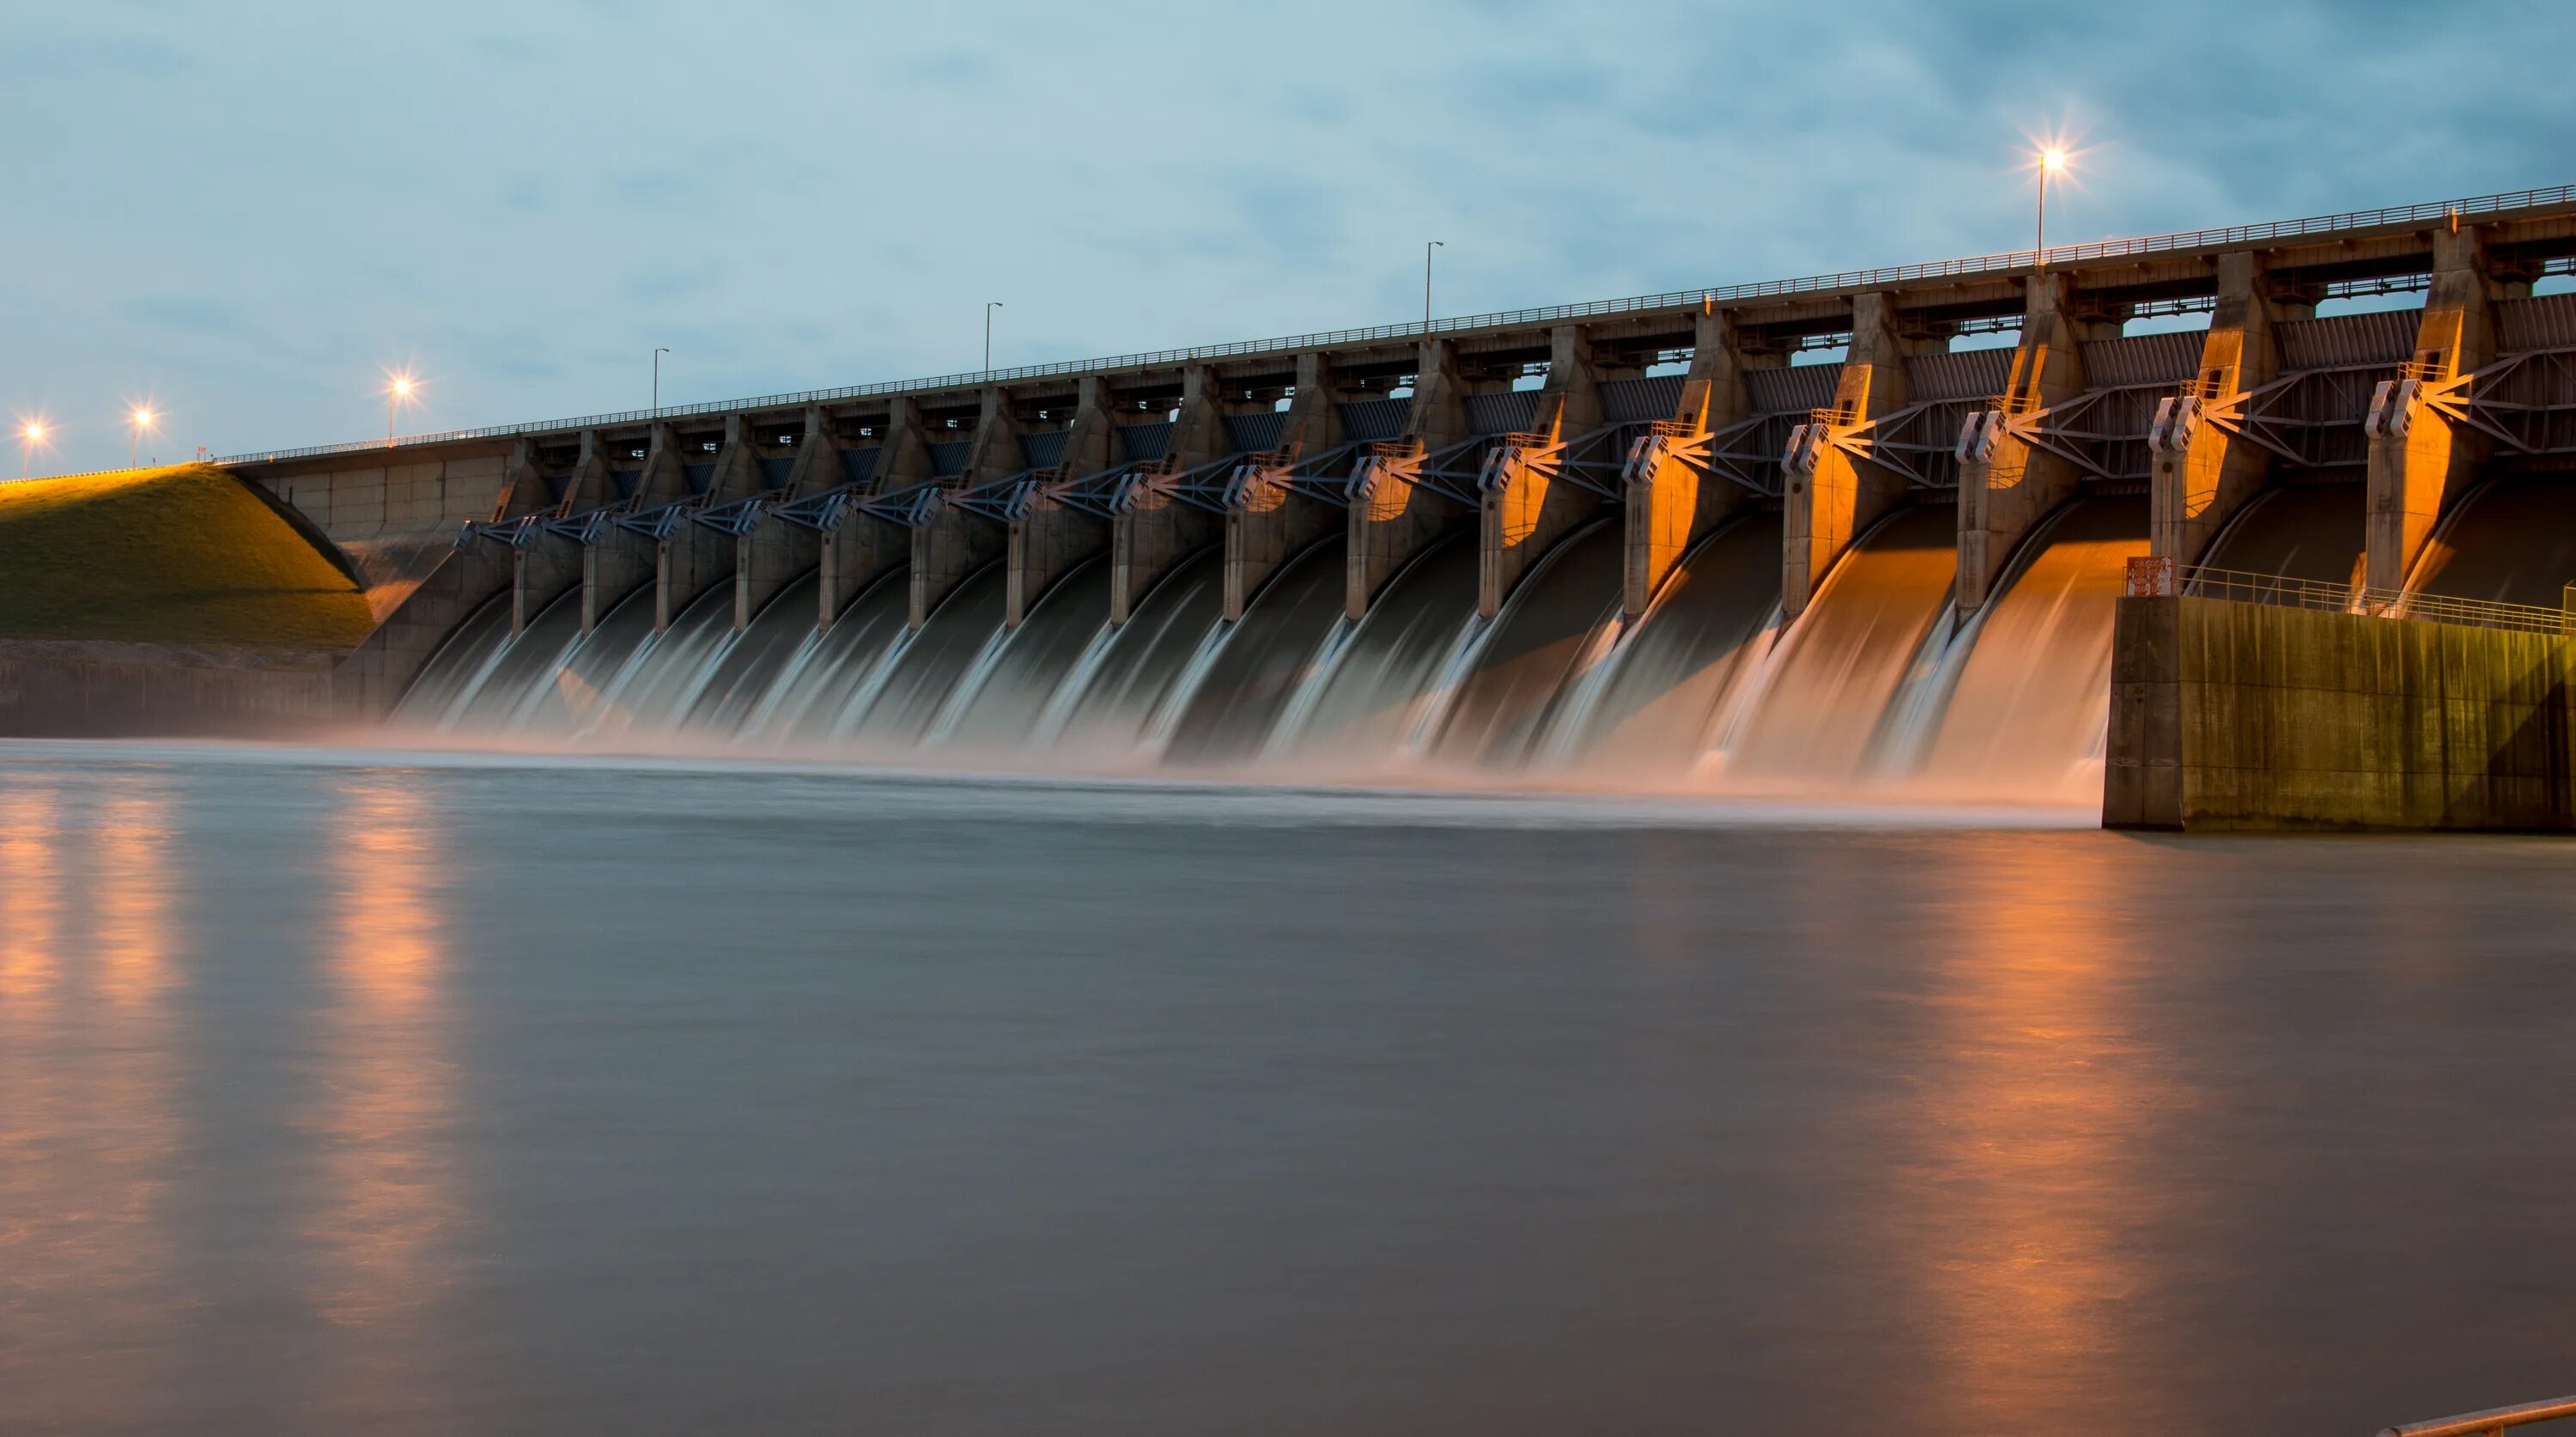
(248, 211)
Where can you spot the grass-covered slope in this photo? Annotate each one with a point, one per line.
(182, 555)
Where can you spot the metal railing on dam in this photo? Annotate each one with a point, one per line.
(2005, 263)
(2152, 578)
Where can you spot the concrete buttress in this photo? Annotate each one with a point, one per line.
(1393, 516)
(953, 543)
(691, 557)
(2006, 492)
(2199, 473)
(1158, 530)
(770, 553)
(860, 548)
(1527, 507)
(1049, 538)
(1671, 504)
(2423, 460)
(1267, 523)
(1824, 509)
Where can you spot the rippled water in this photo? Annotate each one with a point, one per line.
(350, 1092)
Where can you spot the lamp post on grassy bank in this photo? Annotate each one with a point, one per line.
(141, 419)
(30, 434)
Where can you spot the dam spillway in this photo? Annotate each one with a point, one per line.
(1700, 691)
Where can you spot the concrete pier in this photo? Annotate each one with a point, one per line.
(1049, 537)
(1673, 503)
(2420, 457)
(2006, 488)
(950, 543)
(2204, 472)
(1393, 515)
(1827, 505)
(1157, 530)
(614, 564)
(1529, 507)
(543, 568)
(1267, 524)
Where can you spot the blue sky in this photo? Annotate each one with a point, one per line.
(248, 212)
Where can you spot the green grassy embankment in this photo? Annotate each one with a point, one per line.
(179, 555)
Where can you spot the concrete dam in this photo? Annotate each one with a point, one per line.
(1866, 532)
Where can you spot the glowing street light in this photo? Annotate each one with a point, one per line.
(2052, 160)
(399, 389)
(31, 432)
(138, 420)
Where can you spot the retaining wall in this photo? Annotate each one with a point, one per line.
(2250, 716)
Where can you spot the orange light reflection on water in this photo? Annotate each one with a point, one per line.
(91, 1124)
(2028, 1189)
(385, 1098)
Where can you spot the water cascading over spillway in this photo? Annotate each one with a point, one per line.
(1875, 689)
(1645, 712)
(1542, 649)
(924, 668)
(1814, 722)
(832, 677)
(999, 705)
(1237, 682)
(2031, 683)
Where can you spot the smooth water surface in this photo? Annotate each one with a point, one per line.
(373, 1093)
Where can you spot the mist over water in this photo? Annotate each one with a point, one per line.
(1877, 691)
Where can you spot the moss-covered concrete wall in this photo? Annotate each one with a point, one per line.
(2233, 716)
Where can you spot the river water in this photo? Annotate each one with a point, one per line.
(346, 1091)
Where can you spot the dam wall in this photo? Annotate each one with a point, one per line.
(2231, 715)
(2006, 384)
(1855, 533)
(76, 689)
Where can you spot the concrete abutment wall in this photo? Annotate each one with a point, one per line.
(2255, 716)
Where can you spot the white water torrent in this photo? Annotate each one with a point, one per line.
(1872, 690)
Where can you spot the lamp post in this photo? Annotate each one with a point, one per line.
(141, 419)
(2051, 160)
(989, 306)
(398, 392)
(30, 434)
(657, 381)
(1427, 248)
